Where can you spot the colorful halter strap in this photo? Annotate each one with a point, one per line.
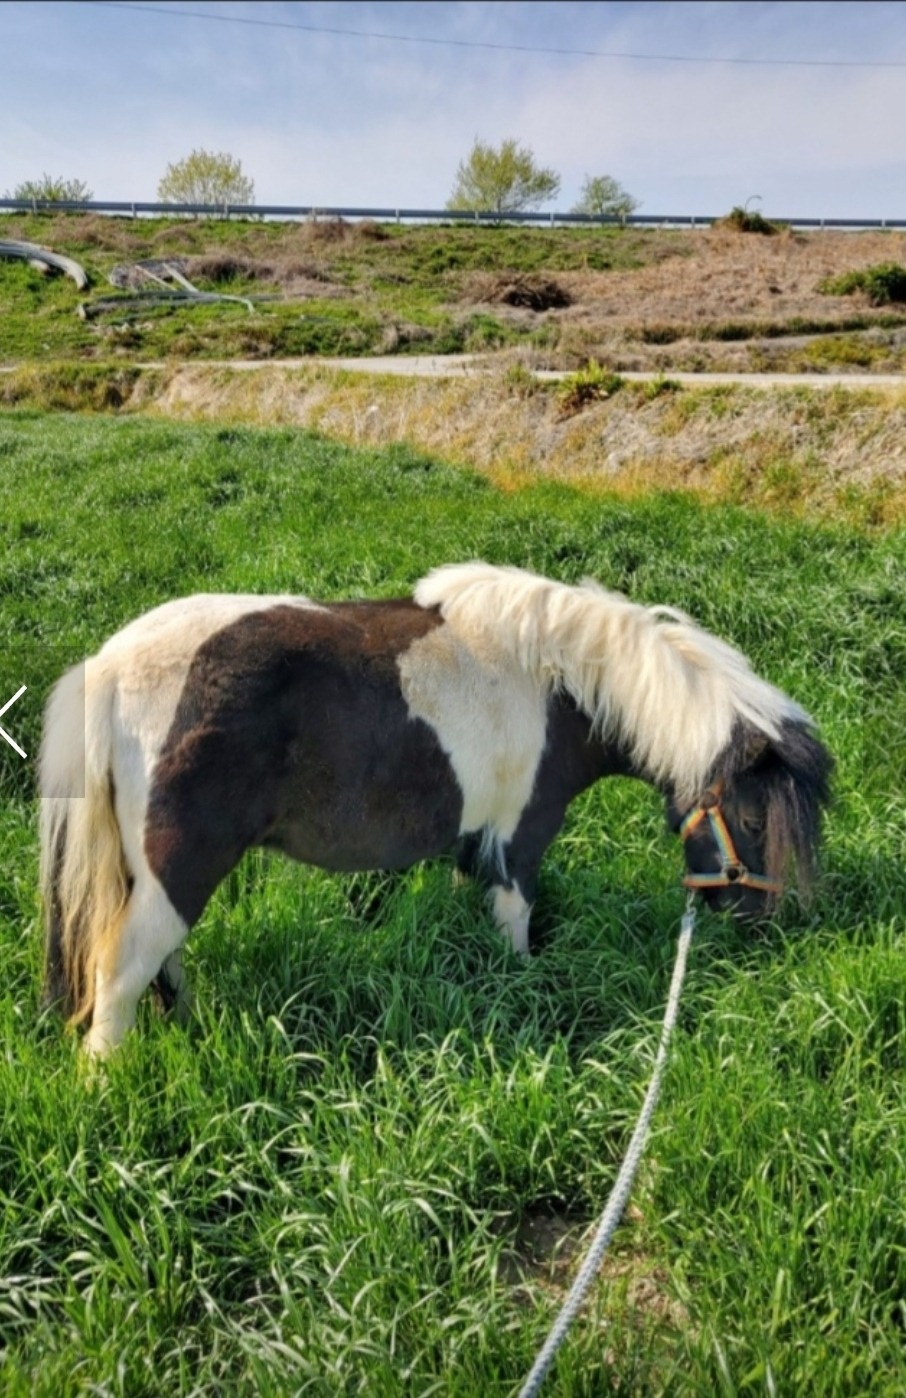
(732, 870)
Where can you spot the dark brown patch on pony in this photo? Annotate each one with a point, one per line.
(292, 732)
(574, 757)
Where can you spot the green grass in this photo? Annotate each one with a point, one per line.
(318, 1188)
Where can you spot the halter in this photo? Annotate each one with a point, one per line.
(732, 870)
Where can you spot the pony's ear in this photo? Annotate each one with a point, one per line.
(755, 745)
(748, 747)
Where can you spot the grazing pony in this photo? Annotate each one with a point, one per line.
(369, 735)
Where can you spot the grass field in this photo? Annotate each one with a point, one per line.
(367, 1167)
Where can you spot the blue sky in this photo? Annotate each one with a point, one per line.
(113, 95)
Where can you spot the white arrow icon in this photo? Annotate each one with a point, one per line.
(3, 733)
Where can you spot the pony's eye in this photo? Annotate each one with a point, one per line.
(752, 824)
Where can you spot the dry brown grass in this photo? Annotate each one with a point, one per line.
(96, 231)
(732, 277)
(718, 300)
(811, 452)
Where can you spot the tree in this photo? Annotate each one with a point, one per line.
(502, 180)
(206, 177)
(51, 190)
(604, 197)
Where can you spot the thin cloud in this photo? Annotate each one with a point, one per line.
(112, 97)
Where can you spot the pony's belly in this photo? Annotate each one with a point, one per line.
(343, 843)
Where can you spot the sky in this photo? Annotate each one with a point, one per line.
(112, 94)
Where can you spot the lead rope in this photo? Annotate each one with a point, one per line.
(623, 1184)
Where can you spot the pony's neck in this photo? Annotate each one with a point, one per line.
(672, 692)
(581, 754)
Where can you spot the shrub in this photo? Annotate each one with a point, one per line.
(883, 283)
(589, 385)
(51, 189)
(658, 387)
(520, 382)
(743, 220)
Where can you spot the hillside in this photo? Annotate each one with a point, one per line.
(633, 299)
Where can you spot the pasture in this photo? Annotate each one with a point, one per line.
(368, 1166)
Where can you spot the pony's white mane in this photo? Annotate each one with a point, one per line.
(648, 675)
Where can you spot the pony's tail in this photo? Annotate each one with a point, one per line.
(85, 883)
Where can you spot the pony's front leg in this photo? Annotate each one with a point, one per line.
(151, 933)
(512, 913)
(511, 909)
(468, 859)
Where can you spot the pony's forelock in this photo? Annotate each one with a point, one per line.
(648, 676)
(798, 790)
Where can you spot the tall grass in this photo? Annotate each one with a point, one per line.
(324, 1185)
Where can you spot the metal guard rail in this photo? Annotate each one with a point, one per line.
(135, 208)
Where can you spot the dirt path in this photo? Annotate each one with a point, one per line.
(455, 366)
(440, 366)
(451, 366)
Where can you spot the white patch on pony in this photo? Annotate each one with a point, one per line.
(512, 913)
(671, 691)
(152, 931)
(490, 720)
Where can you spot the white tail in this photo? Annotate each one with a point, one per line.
(84, 879)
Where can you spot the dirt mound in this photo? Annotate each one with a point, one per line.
(530, 292)
(337, 230)
(227, 267)
(297, 278)
(97, 231)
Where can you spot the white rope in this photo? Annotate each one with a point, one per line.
(623, 1184)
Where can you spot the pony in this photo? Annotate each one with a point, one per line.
(359, 735)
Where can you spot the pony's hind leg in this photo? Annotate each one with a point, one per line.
(173, 988)
(151, 934)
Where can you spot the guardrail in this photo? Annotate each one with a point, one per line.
(137, 209)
